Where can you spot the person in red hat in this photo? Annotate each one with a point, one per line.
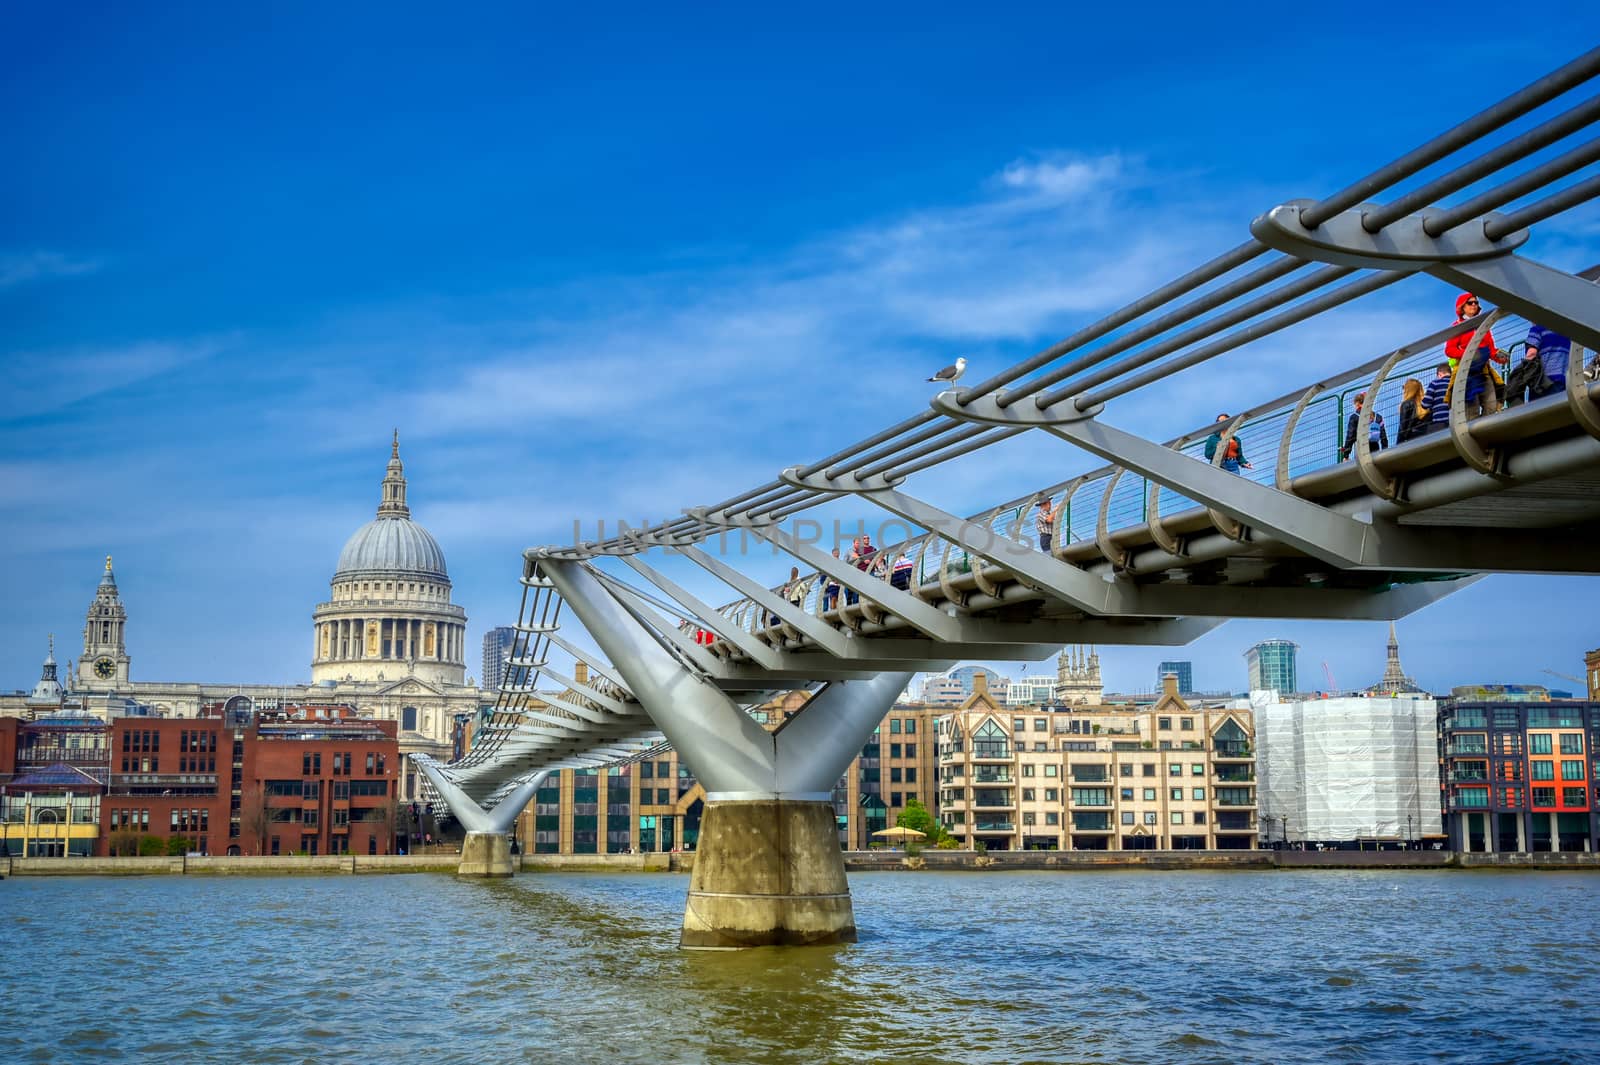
(1483, 384)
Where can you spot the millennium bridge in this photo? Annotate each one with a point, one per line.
(1161, 544)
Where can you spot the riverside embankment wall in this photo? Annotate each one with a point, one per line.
(855, 861)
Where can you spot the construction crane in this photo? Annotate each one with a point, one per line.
(1333, 685)
(1579, 681)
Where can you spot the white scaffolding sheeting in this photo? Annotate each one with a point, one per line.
(1347, 768)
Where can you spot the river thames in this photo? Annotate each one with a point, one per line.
(1105, 966)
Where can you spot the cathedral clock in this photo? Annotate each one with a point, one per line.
(105, 668)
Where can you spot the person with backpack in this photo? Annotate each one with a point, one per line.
(1377, 432)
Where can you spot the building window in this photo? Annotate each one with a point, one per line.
(1164, 724)
(1018, 724)
(408, 719)
(1052, 818)
(1127, 794)
(1027, 819)
(1572, 769)
(1197, 769)
(1041, 725)
(894, 750)
(1127, 818)
(1175, 769)
(911, 728)
(1027, 769)
(1539, 743)
(1150, 817)
(1544, 796)
(1149, 769)
(1176, 794)
(1052, 795)
(1571, 743)
(1126, 769)
(1149, 794)
(911, 750)
(1186, 724)
(1544, 769)
(1574, 797)
(1177, 817)
(911, 774)
(1199, 817)
(1052, 770)
(1027, 794)
(1198, 794)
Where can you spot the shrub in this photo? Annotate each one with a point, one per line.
(178, 846)
(151, 847)
(947, 844)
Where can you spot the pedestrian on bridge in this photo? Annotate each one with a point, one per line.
(1483, 381)
(1377, 432)
(1413, 413)
(1045, 522)
(1437, 398)
(1553, 350)
(1233, 455)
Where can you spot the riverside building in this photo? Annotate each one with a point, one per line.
(312, 779)
(1169, 776)
(655, 804)
(388, 642)
(1348, 771)
(1520, 776)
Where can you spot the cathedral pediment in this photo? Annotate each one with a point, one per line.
(409, 686)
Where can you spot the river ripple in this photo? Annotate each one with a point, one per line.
(952, 967)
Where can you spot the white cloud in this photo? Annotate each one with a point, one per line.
(44, 381)
(1060, 178)
(18, 268)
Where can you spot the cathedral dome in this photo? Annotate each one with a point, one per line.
(392, 545)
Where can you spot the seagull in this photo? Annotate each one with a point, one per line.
(951, 374)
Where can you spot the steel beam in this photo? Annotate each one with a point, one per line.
(1541, 294)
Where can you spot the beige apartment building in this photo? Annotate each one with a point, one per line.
(1165, 777)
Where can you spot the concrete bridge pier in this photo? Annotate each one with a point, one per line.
(486, 852)
(768, 870)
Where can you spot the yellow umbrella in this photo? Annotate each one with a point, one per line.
(900, 832)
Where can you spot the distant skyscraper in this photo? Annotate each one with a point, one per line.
(497, 644)
(1271, 665)
(1184, 671)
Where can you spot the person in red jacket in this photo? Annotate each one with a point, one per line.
(1483, 386)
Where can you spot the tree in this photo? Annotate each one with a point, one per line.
(916, 816)
(124, 843)
(151, 847)
(178, 846)
(255, 819)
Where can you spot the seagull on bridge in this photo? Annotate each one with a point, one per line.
(951, 374)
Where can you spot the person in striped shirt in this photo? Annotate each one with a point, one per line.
(1437, 398)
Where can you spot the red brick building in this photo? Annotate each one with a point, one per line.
(320, 783)
(311, 779)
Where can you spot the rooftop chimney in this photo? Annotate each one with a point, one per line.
(1169, 684)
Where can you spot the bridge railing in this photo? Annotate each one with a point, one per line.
(1314, 441)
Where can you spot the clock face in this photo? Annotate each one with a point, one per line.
(104, 668)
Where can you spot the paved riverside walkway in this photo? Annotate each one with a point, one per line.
(855, 861)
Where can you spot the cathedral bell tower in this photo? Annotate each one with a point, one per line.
(104, 665)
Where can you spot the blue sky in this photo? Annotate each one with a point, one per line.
(620, 264)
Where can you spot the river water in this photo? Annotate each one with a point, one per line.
(1103, 966)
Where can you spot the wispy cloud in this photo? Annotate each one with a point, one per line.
(46, 380)
(17, 268)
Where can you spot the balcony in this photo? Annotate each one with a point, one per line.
(1235, 823)
(1231, 751)
(1234, 775)
(994, 827)
(1467, 747)
(1236, 797)
(991, 774)
(1090, 774)
(1468, 776)
(991, 752)
(1091, 822)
